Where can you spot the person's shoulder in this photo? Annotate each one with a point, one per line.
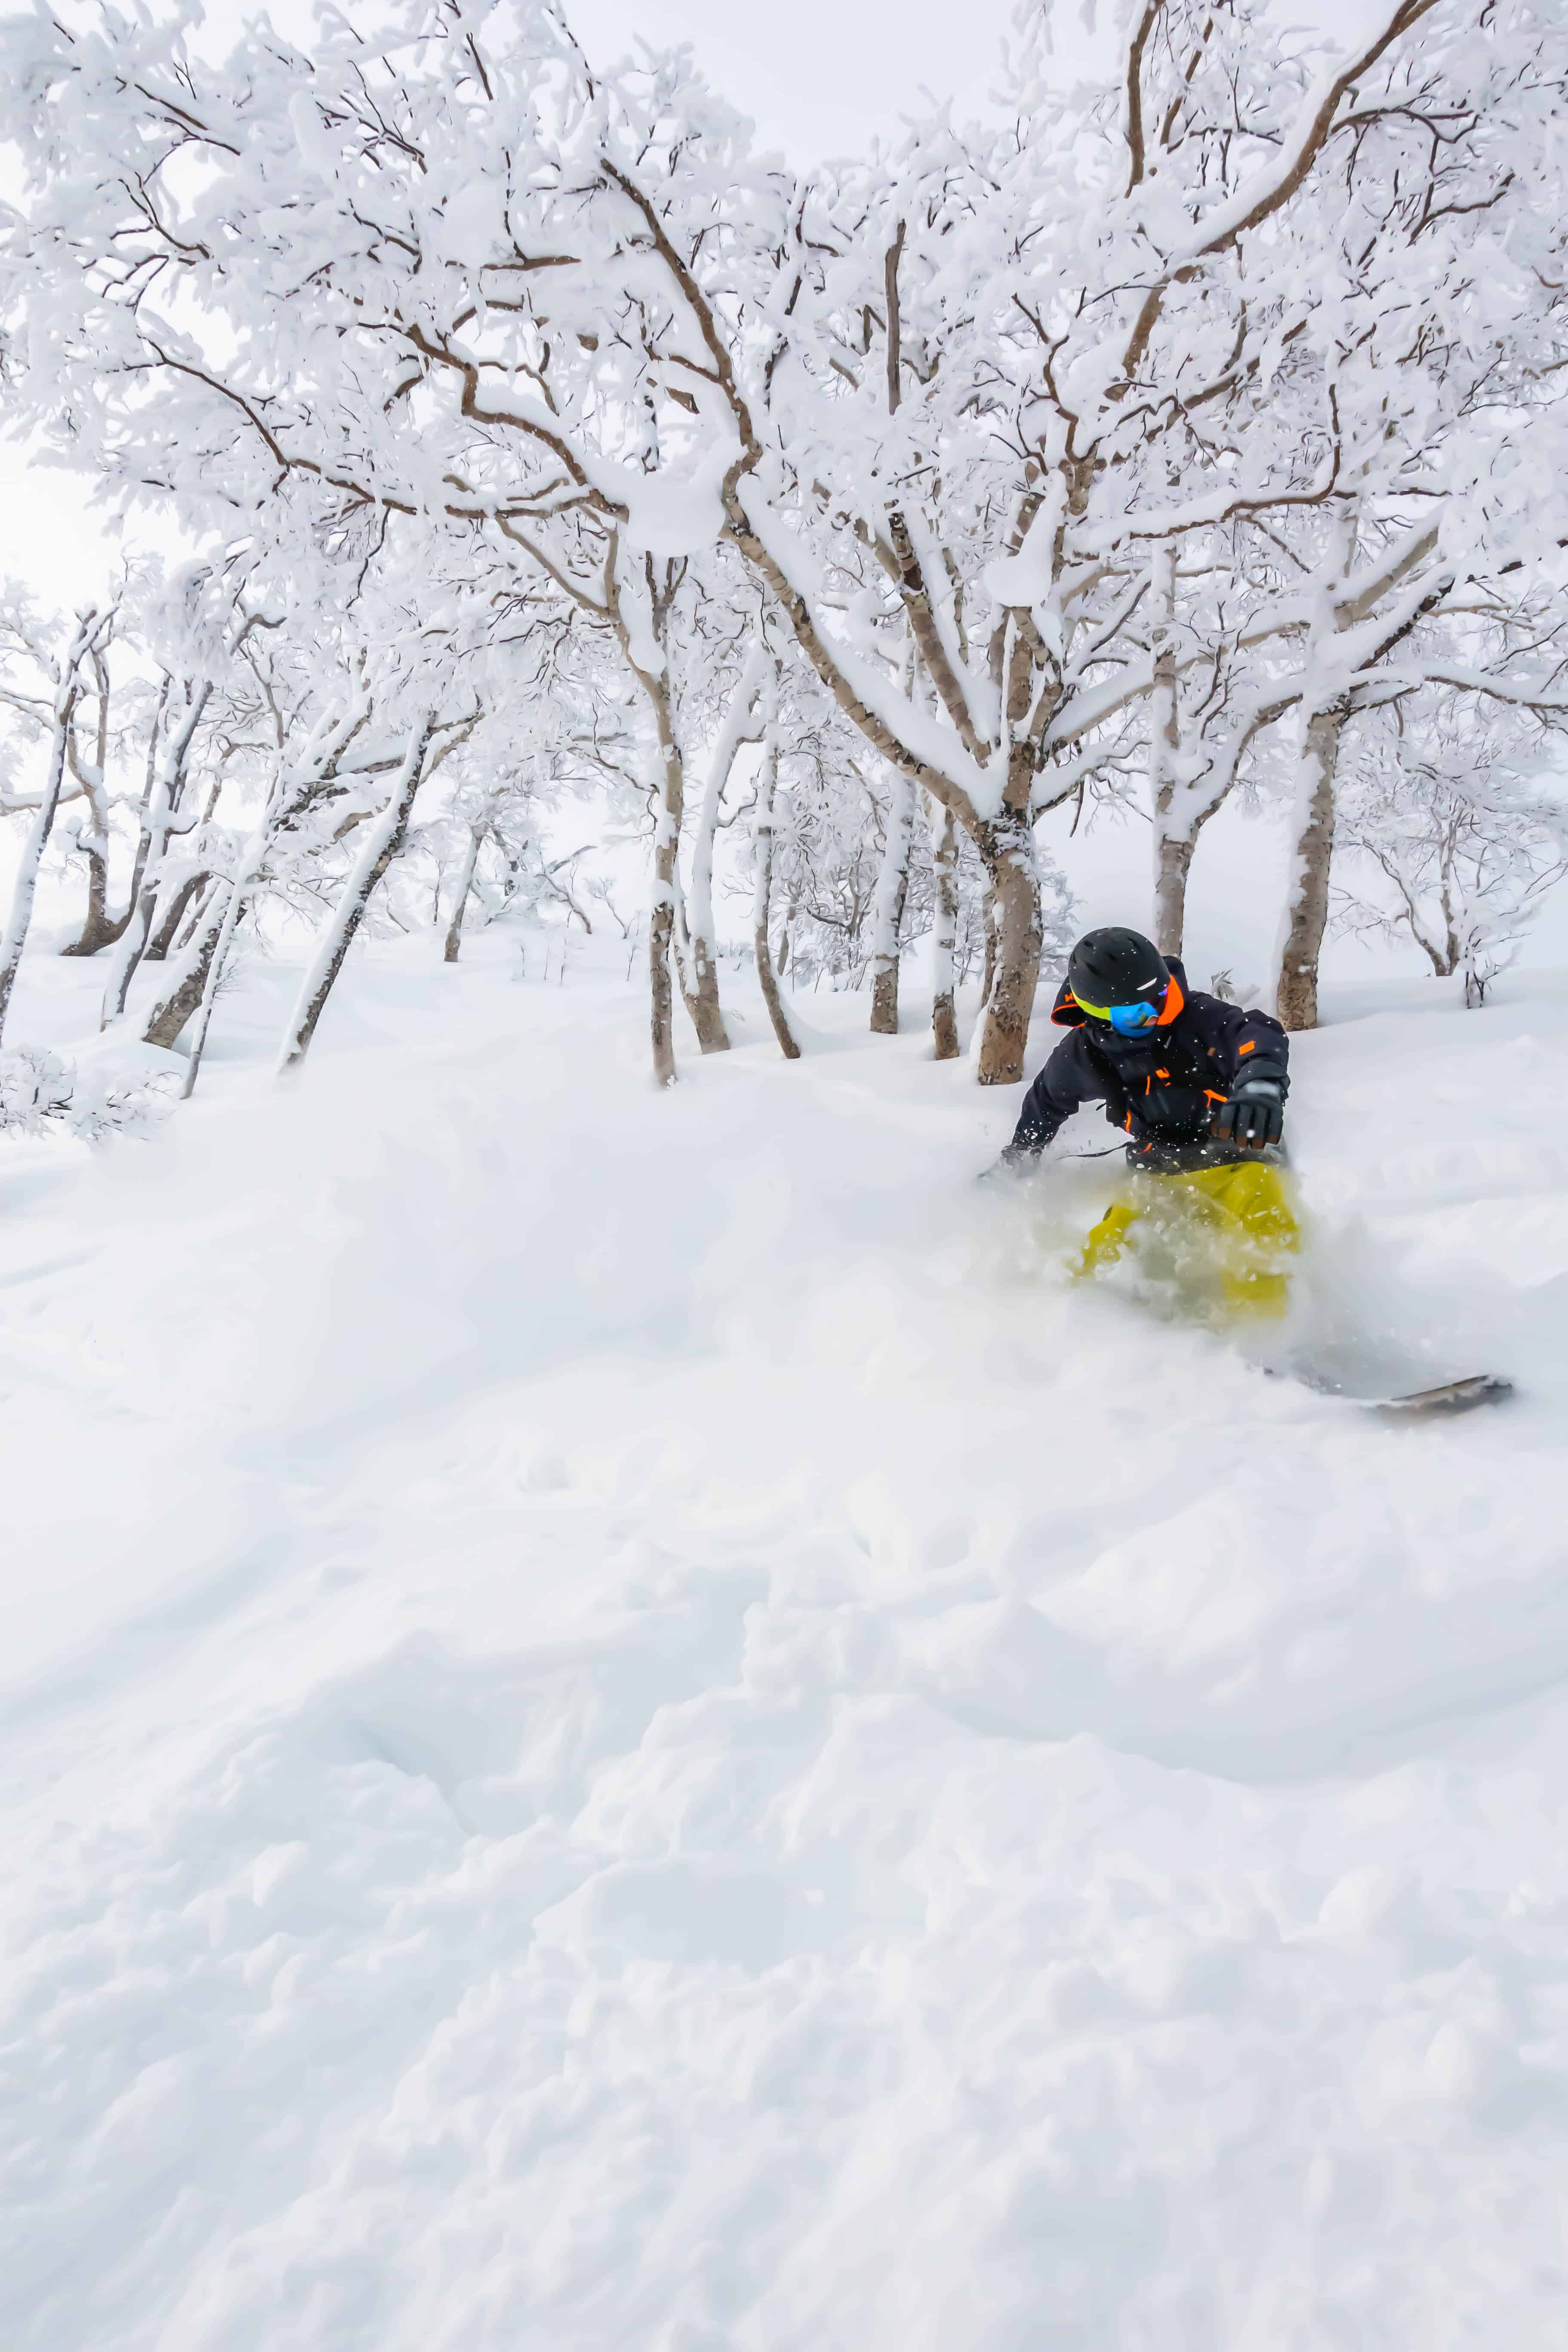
(1209, 1011)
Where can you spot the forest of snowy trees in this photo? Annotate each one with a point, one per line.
(553, 472)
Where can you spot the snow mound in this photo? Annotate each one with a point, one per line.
(630, 1725)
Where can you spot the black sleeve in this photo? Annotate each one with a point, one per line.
(1239, 1043)
(1068, 1080)
(1259, 1047)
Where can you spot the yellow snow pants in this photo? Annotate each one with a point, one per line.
(1240, 1218)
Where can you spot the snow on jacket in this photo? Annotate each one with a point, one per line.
(1160, 1088)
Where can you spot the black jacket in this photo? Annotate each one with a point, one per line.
(1160, 1088)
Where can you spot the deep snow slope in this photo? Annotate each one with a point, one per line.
(629, 1727)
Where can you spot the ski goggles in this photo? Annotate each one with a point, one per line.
(1127, 1020)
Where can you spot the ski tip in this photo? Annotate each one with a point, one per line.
(1452, 1396)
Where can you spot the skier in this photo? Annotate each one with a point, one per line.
(1197, 1086)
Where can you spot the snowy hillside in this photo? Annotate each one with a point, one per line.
(629, 1728)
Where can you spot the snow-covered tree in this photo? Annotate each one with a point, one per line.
(1452, 830)
(1089, 443)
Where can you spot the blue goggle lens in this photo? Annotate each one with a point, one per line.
(1127, 1020)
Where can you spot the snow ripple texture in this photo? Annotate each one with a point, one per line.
(630, 1725)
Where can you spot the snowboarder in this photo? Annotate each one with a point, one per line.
(1197, 1086)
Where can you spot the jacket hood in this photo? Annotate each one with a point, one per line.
(1067, 1014)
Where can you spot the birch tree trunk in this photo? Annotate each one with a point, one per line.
(679, 947)
(1172, 863)
(1173, 855)
(1307, 895)
(460, 897)
(235, 904)
(707, 1014)
(763, 836)
(944, 934)
(1007, 845)
(168, 788)
(384, 839)
(167, 920)
(25, 889)
(99, 929)
(1325, 708)
(662, 909)
(786, 938)
(893, 889)
(988, 968)
(187, 986)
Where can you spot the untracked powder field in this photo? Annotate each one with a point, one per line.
(630, 1721)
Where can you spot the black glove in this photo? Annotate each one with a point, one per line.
(1012, 1163)
(1255, 1114)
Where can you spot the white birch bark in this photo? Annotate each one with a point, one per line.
(661, 923)
(237, 899)
(99, 929)
(163, 821)
(888, 913)
(1307, 894)
(1324, 708)
(464, 883)
(944, 933)
(762, 841)
(384, 839)
(24, 889)
(190, 968)
(1007, 847)
(738, 727)
(324, 747)
(1172, 852)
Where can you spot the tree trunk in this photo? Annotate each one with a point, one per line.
(702, 998)
(121, 924)
(165, 932)
(660, 937)
(988, 969)
(1172, 863)
(235, 900)
(27, 883)
(1171, 856)
(162, 808)
(1007, 845)
(763, 837)
(460, 897)
(1306, 901)
(785, 947)
(893, 889)
(707, 1013)
(385, 837)
(188, 988)
(944, 934)
(101, 929)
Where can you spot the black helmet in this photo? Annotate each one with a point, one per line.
(1117, 967)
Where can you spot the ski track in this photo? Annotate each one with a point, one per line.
(628, 1725)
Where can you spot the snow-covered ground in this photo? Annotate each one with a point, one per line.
(627, 1724)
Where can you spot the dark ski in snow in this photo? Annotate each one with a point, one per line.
(1447, 1397)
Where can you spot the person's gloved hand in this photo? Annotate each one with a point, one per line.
(1255, 1114)
(1011, 1163)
